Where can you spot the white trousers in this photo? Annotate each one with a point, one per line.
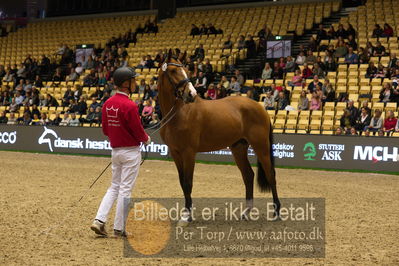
(125, 168)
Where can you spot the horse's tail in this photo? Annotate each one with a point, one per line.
(263, 182)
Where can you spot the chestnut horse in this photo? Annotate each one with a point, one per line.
(197, 125)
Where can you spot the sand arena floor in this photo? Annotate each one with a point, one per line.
(37, 190)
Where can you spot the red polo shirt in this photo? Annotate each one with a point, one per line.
(121, 122)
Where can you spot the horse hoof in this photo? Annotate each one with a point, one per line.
(183, 223)
(244, 217)
(276, 218)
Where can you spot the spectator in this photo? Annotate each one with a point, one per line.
(310, 59)
(341, 32)
(44, 121)
(3, 118)
(35, 121)
(390, 123)
(329, 94)
(306, 72)
(228, 44)
(363, 56)
(98, 93)
(149, 63)
(377, 31)
(12, 120)
(317, 71)
(234, 86)
(5, 98)
(379, 50)
(282, 101)
(97, 115)
(386, 93)
(241, 42)
(371, 71)
(392, 61)
(314, 83)
(352, 43)
(351, 32)
(154, 120)
(25, 119)
(90, 116)
(57, 120)
(203, 30)
(267, 72)
(290, 65)
(224, 82)
(352, 109)
(296, 80)
(338, 132)
(269, 101)
(251, 46)
(388, 30)
(353, 132)
(13, 106)
(397, 126)
(65, 120)
(221, 91)
(81, 106)
(36, 111)
(363, 120)
(365, 106)
(199, 53)
(376, 122)
(331, 66)
(277, 71)
(19, 98)
(146, 114)
(340, 50)
(321, 34)
(347, 121)
(239, 76)
(300, 59)
(303, 103)
(350, 57)
(74, 121)
(194, 30)
(331, 33)
(315, 102)
(312, 45)
(211, 92)
(200, 84)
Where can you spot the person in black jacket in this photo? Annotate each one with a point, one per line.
(251, 46)
(321, 34)
(363, 120)
(194, 30)
(347, 121)
(203, 30)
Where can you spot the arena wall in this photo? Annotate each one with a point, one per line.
(292, 150)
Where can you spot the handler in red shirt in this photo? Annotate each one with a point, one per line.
(121, 123)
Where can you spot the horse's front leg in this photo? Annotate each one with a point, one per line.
(186, 182)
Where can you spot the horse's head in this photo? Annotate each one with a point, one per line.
(173, 72)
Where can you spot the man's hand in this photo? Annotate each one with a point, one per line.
(148, 140)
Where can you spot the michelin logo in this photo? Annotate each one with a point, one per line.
(376, 153)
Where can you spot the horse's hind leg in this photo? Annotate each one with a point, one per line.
(262, 150)
(240, 150)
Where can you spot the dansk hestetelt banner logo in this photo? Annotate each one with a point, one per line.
(51, 138)
(45, 137)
